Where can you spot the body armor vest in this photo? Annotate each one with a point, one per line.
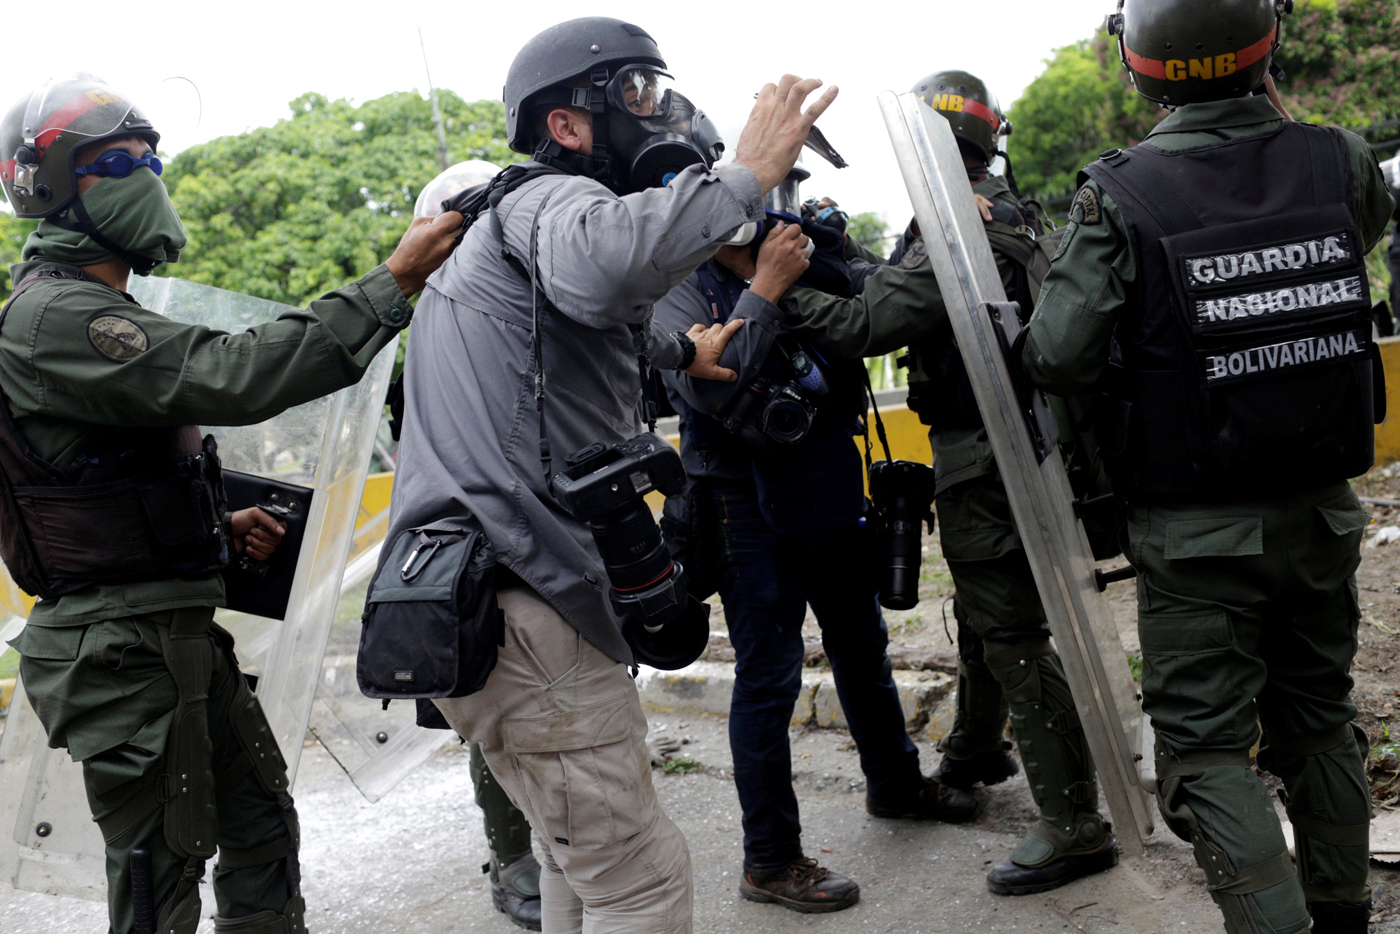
(1244, 365)
(940, 392)
(140, 505)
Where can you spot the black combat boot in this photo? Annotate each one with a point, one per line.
(801, 886)
(515, 891)
(1340, 917)
(932, 801)
(988, 768)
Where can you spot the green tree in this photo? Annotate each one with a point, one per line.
(870, 231)
(1082, 104)
(291, 211)
(1342, 59)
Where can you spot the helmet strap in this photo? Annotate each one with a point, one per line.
(81, 222)
(1010, 174)
(550, 153)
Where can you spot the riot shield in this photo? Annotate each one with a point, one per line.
(48, 842)
(1022, 438)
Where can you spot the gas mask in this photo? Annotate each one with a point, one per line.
(653, 132)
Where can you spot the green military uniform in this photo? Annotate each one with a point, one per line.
(1004, 648)
(1247, 607)
(92, 662)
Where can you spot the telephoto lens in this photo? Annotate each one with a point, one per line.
(902, 493)
(605, 487)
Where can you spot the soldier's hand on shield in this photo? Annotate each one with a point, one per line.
(424, 247)
(709, 344)
(256, 534)
(781, 260)
(778, 127)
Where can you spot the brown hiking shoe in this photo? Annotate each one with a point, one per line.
(802, 886)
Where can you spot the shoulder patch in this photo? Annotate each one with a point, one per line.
(914, 257)
(1091, 212)
(117, 338)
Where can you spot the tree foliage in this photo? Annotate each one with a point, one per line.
(870, 231)
(1342, 59)
(291, 211)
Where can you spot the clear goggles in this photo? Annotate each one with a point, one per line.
(640, 90)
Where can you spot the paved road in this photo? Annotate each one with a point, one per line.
(412, 862)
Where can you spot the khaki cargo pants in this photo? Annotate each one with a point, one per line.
(561, 726)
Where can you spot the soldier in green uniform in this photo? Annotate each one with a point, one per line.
(112, 509)
(1212, 289)
(1005, 659)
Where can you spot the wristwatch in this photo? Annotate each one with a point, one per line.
(687, 350)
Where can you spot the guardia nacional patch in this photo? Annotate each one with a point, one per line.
(914, 257)
(1090, 211)
(117, 338)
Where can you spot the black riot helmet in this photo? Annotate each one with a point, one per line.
(41, 133)
(1193, 51)
(644, 133)
(970, 107)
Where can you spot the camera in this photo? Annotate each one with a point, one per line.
(778, 411)
(902, 494)
(605, 487)
(830, 216)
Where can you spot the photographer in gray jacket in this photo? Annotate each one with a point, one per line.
(619, 204)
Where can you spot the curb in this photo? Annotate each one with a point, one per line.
(928, 697)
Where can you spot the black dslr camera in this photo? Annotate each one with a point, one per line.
(605, 487)
(778, 411)
(902, 493)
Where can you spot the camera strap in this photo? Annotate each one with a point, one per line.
(879, 425)
(641, 336)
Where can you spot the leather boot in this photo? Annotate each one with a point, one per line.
(515, 875)
(515, 891)
(932, 800)
(1340, 917)
(802, 886)
(1071, 840)
(986, 768)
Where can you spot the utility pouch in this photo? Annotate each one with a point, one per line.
(431, 622)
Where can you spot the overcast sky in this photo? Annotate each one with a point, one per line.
(249, 59)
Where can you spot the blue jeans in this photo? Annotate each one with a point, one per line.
(768, 580)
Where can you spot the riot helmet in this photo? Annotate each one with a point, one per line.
(452, 181)
(644, 133)
(972, 109)
(1193, 51)
(41, 133)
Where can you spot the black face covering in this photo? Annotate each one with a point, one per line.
(649, 151)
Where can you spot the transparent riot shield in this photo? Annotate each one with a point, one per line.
(1034, 474)
(377, 747)
(48, 842)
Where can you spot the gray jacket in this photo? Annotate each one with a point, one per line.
(471, 432)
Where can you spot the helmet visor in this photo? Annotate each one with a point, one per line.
(54, 109)
(641, 90)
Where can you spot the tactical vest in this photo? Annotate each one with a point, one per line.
(940, 392)
(1244, 365)
(142, 504)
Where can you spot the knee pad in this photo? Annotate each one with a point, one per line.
(1015, 667)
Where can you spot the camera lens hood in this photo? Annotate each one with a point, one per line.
(676, 643)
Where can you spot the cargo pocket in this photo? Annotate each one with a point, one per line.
(1214, 537)
(1344, 514)
(1189, 672)
(585, 773)
(51, 644)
